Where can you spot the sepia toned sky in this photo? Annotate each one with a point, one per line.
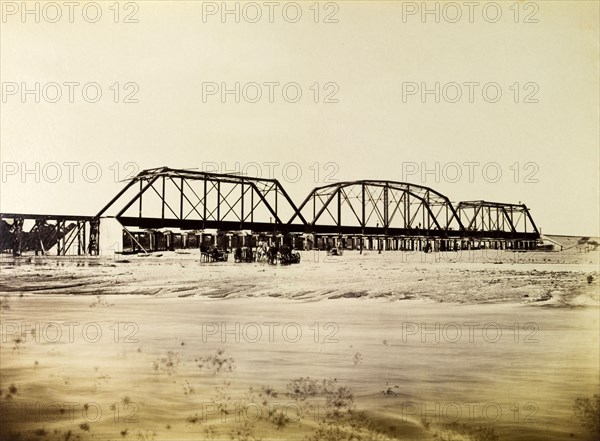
(361, 68)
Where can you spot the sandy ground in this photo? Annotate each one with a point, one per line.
(456, 346)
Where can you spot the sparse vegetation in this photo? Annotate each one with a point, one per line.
(390, 391)
(147, 435)
(40, 432)
(210, 432)
(244, 432)
(100, 301)
(587, 411)
(187, 388)
(352, 426)
(217, 363)
(327, 408)
(278, 418)
(338, 399)
(462, 432)
(167, 364)
(99, 380)
(4, 304)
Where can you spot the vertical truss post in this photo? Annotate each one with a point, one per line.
(483, 217)
(386, 214)
(512, 222)
(276, 211)
(363, 214)
(181, 200)
(498, 220)
(242, 207)
(58, 237)
(162, 199)
(79, 226)
(140, 202)
(205, 200)
(339, 209)
(83, 234)
(251, 204)
(427, 205)
(407, 219)
(218, 200)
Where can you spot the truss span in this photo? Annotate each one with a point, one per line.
(193, 200)
(380, 207)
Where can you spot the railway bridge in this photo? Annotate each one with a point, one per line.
(376, 214)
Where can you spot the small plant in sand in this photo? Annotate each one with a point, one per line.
(40, 432)
(12, 390)
(100, 301)
(222, 399)
(390, 391)
(275, 415)
(126, 402)
(587, 411)
(167, 364)
(4, 304)
(147, 435)
(100, 379)
(261, 396)
(464, 432)
(18, 344)
(187, 388)
(14, 436)
(216, 363)
(278, 417)
(301, 389)
(329, 432)
(340, 422)
(210, 432)
(352, 426)
(426, 423)
(264, 394)
(244, 432)
(338, 399)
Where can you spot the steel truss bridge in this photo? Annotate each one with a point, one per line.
(194, 200)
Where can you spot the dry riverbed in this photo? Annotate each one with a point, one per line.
(391, 346)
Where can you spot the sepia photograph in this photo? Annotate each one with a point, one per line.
(308, 220)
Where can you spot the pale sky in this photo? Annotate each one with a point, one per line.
(368, 61)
